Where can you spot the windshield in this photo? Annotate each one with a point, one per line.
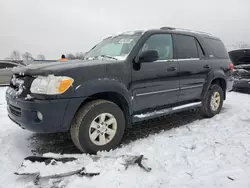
(240, 57)
(117, 47)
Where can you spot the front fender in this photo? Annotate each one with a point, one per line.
(92, 87)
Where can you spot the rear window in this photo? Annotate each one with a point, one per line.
(216, 48)
(240, 57)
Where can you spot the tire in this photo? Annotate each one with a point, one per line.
(86, 123)
(207, 109)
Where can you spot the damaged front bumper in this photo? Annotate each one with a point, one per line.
(41, 116)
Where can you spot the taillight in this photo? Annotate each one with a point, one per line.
(231, 67)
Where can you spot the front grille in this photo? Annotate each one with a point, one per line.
(15, 110)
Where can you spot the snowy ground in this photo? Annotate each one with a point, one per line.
(205, 153)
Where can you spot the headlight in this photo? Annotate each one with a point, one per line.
(51, 85)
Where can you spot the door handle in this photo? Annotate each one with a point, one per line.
(207, 66)
(172, 69)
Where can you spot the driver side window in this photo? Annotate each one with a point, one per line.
(163, 43)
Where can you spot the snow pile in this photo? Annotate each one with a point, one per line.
(206, 153)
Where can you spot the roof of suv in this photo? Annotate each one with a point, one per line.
(173, 30)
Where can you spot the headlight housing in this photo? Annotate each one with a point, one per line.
(51, 85)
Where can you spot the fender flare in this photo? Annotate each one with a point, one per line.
(82, 92)
(96, 86)
(211, 77)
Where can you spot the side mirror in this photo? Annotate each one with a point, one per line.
(147, 56)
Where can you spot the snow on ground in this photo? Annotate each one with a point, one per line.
(13, 147)
(206, 153)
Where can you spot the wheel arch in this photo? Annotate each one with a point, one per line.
(221, 81)
(106, 89)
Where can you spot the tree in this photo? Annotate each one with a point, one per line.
(80, 55)
(15, 55)
(243, 45)
(27, 56)
(70, 56)
(40, 57)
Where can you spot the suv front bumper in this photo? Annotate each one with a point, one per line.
(56, 114)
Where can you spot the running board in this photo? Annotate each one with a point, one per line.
(159, 113)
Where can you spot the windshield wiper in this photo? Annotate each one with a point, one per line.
(111, 57)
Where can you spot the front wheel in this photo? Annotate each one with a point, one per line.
(213, 101)
(99, 125)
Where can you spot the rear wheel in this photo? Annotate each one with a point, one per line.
(98, 125)
(213, 101)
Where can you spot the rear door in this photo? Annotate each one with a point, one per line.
(5, 72)
(194, 67)
(156, 83)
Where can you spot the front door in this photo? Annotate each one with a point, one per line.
(156, 84)
(194, 67)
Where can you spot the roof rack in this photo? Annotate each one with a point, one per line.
(181, 29)
(167, 28)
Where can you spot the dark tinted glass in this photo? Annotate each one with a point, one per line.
(216, 48)
(186, 47)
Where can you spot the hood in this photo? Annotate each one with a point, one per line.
(44, 69)
(240, 57)
(241, 60)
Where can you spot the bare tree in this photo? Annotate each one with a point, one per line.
(243, 45)
(40, 57)
(80, 55)
(27, 56)
(70, 56)
(15, 55)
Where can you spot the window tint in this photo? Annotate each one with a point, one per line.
(216, 48)
(163, 43)
(6, 65)
(186, 47)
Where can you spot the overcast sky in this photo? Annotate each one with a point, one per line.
(53, 27)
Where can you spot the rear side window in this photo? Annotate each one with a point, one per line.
(186, 47)
(6, 65)
(216, 48)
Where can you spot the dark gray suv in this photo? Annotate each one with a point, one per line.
(126, 78)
